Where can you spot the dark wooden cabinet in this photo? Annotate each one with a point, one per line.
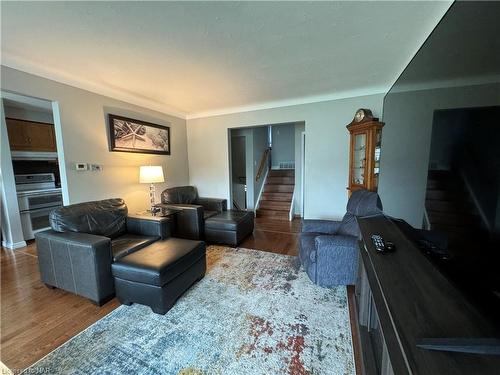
(31, 136)
(401, 300)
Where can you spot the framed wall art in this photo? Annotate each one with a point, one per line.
(129, 135)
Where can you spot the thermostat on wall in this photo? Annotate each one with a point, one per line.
(81, 166)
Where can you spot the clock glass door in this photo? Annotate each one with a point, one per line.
(376, 158)
(359, 159)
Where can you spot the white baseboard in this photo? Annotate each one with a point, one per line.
(13, 246)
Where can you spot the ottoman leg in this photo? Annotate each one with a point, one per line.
(160, 311)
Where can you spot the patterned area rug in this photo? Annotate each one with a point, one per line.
(253, 313)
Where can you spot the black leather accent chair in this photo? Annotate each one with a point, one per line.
(190, 221)
(206, 218)
(159, 274)
(86, 238)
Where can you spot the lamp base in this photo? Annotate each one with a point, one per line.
(152, 193)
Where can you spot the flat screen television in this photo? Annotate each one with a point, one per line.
(440, 163)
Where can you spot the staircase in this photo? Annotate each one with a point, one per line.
(276, 198)
(451, 210)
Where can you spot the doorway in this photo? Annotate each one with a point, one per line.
(266, 173)
(239, 175)
(32, 166)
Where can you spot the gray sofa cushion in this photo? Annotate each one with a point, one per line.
(128, 243)
(361, 203)
(103, 218)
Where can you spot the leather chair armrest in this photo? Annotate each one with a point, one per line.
(76, 262)
(213, 204)
(189, 221)
(320, 226)
(149, 226)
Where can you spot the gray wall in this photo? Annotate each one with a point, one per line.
(299, 128)
(283, 142)
(83, 117)
(327, 149)
(406, 140)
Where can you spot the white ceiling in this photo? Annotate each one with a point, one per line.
(190, 58)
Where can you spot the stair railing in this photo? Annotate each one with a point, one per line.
(262, 164)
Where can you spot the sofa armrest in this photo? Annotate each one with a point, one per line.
(213, 204)
(328, 242)
(189, 221)
(149, 226)
(320, 226)
(336, 260)
(77, 262)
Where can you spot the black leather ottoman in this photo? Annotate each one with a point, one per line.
(229, 227)
(160, 273)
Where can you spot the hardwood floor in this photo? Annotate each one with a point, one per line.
(277, 236)
(35, 319)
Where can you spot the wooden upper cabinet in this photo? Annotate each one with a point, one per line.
(31, 136)
(364, 156)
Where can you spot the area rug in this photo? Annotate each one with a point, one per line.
(253, 313)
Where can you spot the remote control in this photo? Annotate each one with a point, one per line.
(378, 242)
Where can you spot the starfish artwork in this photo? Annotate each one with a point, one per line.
(130, 132)
(138, 136)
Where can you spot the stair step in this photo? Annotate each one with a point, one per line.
(275, 205)
(451, 230)
(273, 214)
(282, 173)
(280, 180)
(449, 207)
(446, 195)
(453, 219)
(276, 196)
(278, 188)
(452, 185)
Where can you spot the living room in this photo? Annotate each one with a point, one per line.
(144, 99)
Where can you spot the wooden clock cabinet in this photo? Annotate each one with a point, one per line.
(364, 156)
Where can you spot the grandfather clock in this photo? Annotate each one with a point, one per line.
(364, 156)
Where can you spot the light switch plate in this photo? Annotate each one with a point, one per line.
(96, 168)
(81, 166)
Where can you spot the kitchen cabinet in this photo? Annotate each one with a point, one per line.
(30, 135)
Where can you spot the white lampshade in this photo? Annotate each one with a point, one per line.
(150, 174)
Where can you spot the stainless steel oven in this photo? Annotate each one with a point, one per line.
(37, 196)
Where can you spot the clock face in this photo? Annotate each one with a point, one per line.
(360, 115)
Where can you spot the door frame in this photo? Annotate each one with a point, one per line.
(302, 172)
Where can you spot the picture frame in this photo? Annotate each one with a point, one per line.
(131, 135)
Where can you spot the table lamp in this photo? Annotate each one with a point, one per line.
(150, 174)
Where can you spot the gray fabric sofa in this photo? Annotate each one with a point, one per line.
(329, 249)
(77, 253)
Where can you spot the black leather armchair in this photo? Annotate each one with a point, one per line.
(76, 254)
(190, 221)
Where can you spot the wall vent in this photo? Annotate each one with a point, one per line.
(287, 165)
